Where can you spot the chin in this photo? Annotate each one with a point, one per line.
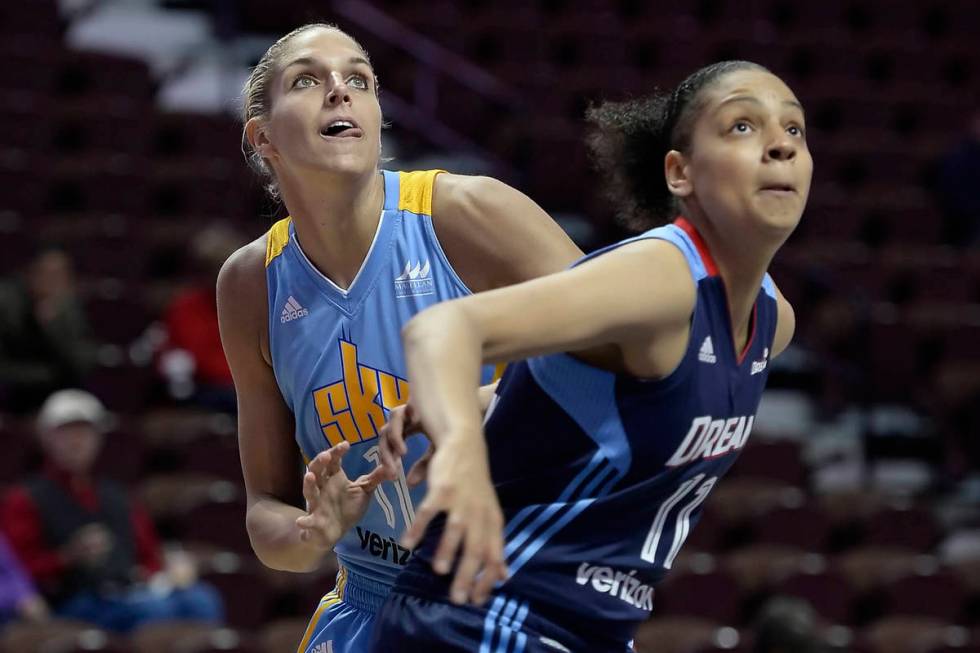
(348, 164)
(778, 224)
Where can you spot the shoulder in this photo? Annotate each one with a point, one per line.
(452, 192)
(648, 279)
(477, 199)
(242, 276)
(495, 235)
(241, 297)
(651, 263)
(785, 323)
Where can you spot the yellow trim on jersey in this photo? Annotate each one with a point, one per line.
(498, 371)
(341, 584)
(276, 240)
(415, 191)
(327, 601)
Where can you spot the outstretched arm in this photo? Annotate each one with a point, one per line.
(638, 297)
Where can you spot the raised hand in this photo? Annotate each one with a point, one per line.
(334, 503)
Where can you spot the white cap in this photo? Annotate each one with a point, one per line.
(68, 406)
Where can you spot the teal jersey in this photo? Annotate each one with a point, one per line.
(338, 359)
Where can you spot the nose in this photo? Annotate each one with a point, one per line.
(782, 148)
(337, 92)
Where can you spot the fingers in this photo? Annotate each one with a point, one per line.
(495, 570)
(311, 491)
(412, 422)
(482, 564)
(394, 431)
(420, 470)
(445, 554)
(469, 565)
(306, 522)
(424, 514)
(369, 482)
(327, 463)
(391, 460)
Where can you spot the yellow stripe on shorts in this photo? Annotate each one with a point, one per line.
(325, 603)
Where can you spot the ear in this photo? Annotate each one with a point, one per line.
(257, 133)
(675, 171)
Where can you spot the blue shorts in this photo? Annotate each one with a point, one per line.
(345, 617)
(413, 624)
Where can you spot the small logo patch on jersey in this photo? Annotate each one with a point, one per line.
(326, 647)
(707, 353)
(415, 281)
(759, 365)
(292, 311)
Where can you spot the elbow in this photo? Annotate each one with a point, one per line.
(279, 559)
(257, 539)
(274, 552)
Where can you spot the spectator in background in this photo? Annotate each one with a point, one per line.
(787, 625)
(959, 179)
(193, 361)
(93, 551)
(44, 343)
(18, 596)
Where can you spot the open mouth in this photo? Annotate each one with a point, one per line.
(341, 128)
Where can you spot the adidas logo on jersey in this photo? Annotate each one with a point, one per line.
(326, 647)
(707, 353)
(759, 365)
(415, 280)
(292, 311)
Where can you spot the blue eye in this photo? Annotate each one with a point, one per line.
(795, 130)
(741, 127)
(300, 81)
(358, 82)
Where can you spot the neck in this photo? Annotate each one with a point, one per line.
(742, 261)
(336, 219)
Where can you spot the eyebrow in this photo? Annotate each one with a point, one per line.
(755, 100)
(312, 61)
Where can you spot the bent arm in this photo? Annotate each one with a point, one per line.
(589, 306)
(269, 455)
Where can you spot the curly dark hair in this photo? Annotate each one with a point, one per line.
(630, 140)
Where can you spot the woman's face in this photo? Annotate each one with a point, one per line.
(325, 114)
(748, 163)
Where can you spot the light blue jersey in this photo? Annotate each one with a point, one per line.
(338, 360)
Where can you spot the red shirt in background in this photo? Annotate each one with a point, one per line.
(20, 521)
(192, 323)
